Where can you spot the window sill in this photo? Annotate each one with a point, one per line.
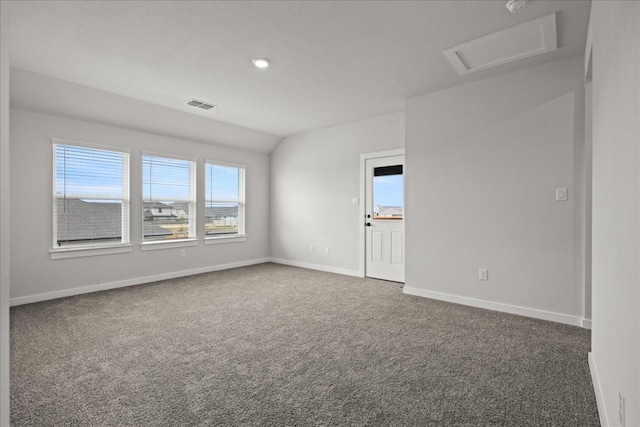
(89, 251)
(225, 239)
(168, 244)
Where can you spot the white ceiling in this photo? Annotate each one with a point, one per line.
(332, 62)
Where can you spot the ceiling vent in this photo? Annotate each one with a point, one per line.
(200, 104)
(522, 41)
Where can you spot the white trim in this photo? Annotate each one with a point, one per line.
(181, 157)
(496, 306)
(224, 239)
(130, 282)
(602, 410)
(5, 214)
(167, 244)
(82, 144)
(385, 153)
(221, 163)
(318, 267)
(362, 211)
(585, 323)
(588, 49)
(89, 251)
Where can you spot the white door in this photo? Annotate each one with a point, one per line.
(384, 218)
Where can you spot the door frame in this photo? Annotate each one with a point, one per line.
(362, 208)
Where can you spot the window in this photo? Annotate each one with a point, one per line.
(90, 195)
(224, 200)
(388, 192)
(169, 198)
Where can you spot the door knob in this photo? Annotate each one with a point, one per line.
(368, 224)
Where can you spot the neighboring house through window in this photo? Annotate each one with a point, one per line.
(169, 198)
(224, 200)
(90, 195)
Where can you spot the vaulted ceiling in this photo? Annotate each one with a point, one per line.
(332, 61)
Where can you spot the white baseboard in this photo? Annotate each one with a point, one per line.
(319, 267)
(496, 306)
(130, 282)
(602, 410)
(586, 323)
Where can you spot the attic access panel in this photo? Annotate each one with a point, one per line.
(522, 41)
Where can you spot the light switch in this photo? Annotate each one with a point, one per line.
(355, 201)
(561, 194)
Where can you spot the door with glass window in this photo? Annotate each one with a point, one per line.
(384, 218)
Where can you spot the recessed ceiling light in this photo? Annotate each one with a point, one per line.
(261, 62)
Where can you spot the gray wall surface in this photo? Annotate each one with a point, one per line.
(615, 27)
(483, 162)
(33, 272)
(5, 224)
(314, 177)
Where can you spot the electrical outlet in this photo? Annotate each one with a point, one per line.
(483, 274)
(621, 408)
(183, 253)
(327, 251)
(311, 249)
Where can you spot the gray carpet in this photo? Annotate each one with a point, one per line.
(273, 345)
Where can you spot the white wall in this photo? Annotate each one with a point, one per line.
(48, 95)
(32, 270)
(588, 195)
(5, 224)
(314, 177)
(615, 358)
(483, 162)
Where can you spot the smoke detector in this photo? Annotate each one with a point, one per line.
(516, 5)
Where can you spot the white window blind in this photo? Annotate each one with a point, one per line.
(224, 200)
(169, 198)
(90, 195)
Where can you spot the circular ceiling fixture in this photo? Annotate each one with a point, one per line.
(516, 5)
(261, 63)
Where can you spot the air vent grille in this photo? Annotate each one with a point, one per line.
(201, 104)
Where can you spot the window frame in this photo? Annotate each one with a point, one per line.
(193, 203)
(92, 248)
(241, 235)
